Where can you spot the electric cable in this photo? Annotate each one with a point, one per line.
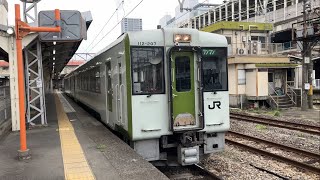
(104, 25)
(116, 25)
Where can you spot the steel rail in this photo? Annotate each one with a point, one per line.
(293, 149)
(204, 171)
(194, 171)
(275, 156)
(274, 123)
(276, 120)
(317, 128)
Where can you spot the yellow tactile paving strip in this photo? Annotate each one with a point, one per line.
(74, 161)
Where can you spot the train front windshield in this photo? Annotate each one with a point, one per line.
(147, 70)
(214, 68)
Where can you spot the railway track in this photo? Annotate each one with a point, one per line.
(194, 172)
(298, 164)
(315, 130)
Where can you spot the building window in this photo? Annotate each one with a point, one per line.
(270, 77)
(254, 38)
(241, 76)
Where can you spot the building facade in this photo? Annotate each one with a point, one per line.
(264, 61)
(131, 24)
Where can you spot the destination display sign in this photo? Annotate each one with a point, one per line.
(208, 52)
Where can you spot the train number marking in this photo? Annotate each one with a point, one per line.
(214, 104)
(147, 43)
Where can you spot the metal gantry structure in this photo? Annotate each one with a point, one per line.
(36, 106)
(30, 11)
(35, 91)
(83, 56)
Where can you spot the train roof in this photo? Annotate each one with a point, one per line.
(164, 37)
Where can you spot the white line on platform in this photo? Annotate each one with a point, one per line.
(66, 105)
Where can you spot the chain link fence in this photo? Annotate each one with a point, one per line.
(5, 104)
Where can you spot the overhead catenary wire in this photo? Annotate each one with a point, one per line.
(116, 25)
(105, 25)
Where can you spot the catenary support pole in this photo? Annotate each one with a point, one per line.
(23, 29)
(23, 152)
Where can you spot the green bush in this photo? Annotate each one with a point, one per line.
(276, 113)
(261, 127)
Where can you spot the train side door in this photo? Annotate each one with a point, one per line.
(109, 92)
(183, 90)
(120, 88)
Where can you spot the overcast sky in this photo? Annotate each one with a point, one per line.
(149, 10)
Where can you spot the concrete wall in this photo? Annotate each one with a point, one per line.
(3, 12)
(232, 79)
(241, 89)
(257, 59)
(251, 82)
(235, 101)
(263, 83)
(241, 40)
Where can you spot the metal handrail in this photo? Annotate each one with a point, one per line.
(290, 83)
(273, 90)
(276, 102)
(292, 91)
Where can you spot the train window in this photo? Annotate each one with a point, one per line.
(214, 67)
(97, 85)
(182, 73)
(147, 70)
(92, 80)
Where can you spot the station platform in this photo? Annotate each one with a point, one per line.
(74, 145)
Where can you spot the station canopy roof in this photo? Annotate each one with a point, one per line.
(56, 54)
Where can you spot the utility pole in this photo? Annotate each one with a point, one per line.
(304, 60)
(310, 37)
(310, 79)
(309, 67)
(308, 53)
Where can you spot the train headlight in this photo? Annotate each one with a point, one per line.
(182, 38)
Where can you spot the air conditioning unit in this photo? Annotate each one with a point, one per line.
(242, 51)
(255, 47)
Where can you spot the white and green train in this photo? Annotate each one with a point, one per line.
(164, 90)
